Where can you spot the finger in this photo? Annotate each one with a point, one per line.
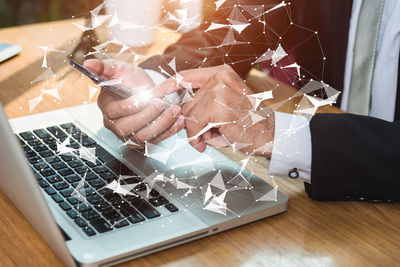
(193, 129)
(159, 125)
(129, 125)
(107, 69)
(216, 139)
(114, 108)
(201, 96)
(196, 77)
(175, 128)
(232, 80)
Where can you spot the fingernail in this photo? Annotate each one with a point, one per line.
(159, 105)
(181, 121)
(176, 110)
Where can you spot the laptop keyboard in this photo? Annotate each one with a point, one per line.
(78, 185)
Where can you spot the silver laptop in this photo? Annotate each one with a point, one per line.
(98, 203)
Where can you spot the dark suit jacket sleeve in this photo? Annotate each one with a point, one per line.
(198, 48)
(354, 158)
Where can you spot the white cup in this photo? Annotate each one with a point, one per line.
(136, 21)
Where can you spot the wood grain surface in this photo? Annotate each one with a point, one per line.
(310, 233)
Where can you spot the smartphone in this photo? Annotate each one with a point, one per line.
(115, 89)
(8, 51)
(171, 99)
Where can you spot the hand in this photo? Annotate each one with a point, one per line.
(222, 99)
(139, 118)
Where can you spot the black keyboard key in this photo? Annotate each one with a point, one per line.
(57, 132)
(120, 224)
(171, 207)
(81, 185)
(88, 142)
(50, 141)
(59, 165)
(39, 148)
(81, 169)
(103, 207)
(93, 164)
(53, 146)
(35, 142)
(78, 135)
(100, 169)
(101, 225)
(80, 222)
(34, 159)
(73, 178)
(64, 205)
(97, 183)
(57, 198)
(53, 179)
(90, 214)
(52, 159)
(72, 214)
(75, 163)
(66, 172)
(50, 191)
(105, 191)
(95, 199)
(132, 215)
(131, 180)
(67, 126)
(111, 215)
(82, 207)
(42, 133)
(74, 145)
(90, 176)
(159, 201)
(61, 185)
(112, 197)
(40, 165)
(141, 187)
(89, 192)
(108, 176)
(47, 172)
(46, 153)
(72, 200)
(27, 135)
(43, 184)
(89, 231)
(154, 193)
(67, 192)
(146, 209)
(68, 158)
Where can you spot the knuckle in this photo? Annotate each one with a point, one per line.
(228, 68)
(182, 73)
(139, 138)
(108, 111)
(224, 76)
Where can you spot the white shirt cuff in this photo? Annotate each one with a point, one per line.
(292, 146)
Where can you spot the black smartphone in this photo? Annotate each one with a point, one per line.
(115, 89)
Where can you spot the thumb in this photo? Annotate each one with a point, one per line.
(194, 78)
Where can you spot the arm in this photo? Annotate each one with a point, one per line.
(354, 158)
(198, 48)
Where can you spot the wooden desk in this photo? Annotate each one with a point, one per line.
(310, 233)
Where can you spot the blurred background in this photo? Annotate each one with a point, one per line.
(21, 12)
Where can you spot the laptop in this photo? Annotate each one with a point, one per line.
(97, 202)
